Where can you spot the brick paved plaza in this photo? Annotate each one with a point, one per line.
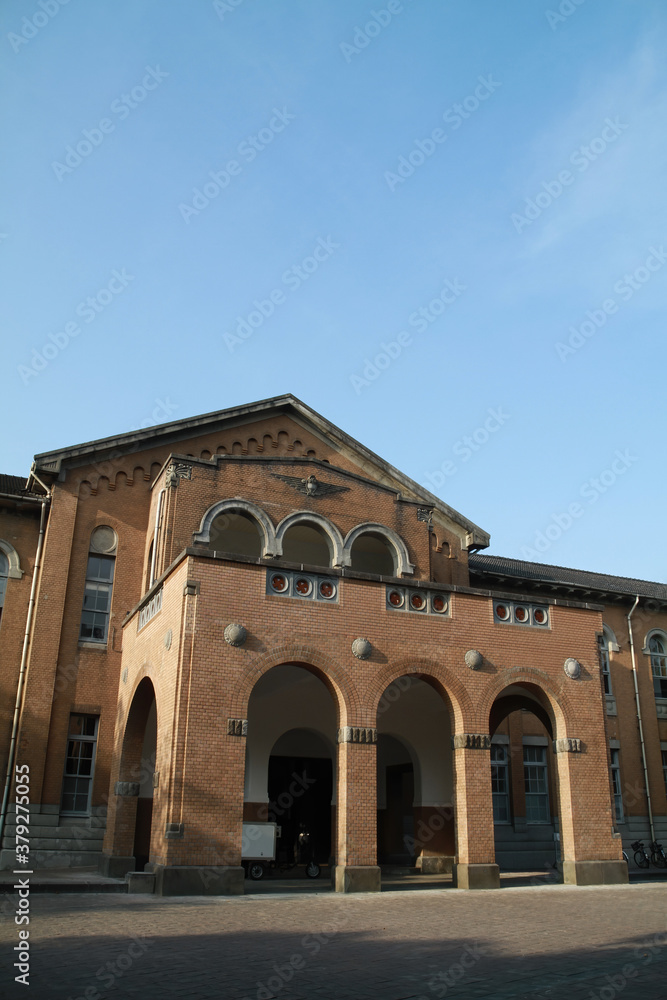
(542, 943)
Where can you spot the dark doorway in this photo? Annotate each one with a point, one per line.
(300, 793)
(396, 822)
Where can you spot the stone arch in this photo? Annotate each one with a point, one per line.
(657, 633)
(14, 564)
(310, 517)
(610, 639)
(143, 696)
(270, 545)
(402, 564)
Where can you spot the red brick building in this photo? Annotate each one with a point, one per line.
(250, 616)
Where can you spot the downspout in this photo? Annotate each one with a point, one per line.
(158, 514)
(18, 707)
(639, 719)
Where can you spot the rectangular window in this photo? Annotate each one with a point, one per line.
(79, 764)
(603, 645)
(97, 599)
(616, 785)
(658, 649)
(536, 784)
(500, 784)
(664, 768)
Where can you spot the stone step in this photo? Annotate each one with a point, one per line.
(57, 833)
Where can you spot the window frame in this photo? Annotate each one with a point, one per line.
(97, 584)
(77, 777)
(658, 659)
(536, 769)
(616, 785)
(500, 798)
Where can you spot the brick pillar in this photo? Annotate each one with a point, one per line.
(591, 853)
(356, 855)
(45, 644)
(475, 866)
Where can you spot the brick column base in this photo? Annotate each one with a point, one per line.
(116, 866)
(595, 872)
(476, 876)
(441, 864)
(199, 880)
(356, 878)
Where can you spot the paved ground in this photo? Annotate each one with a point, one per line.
(535, 943)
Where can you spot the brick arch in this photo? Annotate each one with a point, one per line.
(143, 696)
(319, 520)
(541, 686)
(432, 672)
(342, 689)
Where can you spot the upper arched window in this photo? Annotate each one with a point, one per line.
(99, 585)
(237, 533)
(657, 646)
(371, 553)
(307, 544)
(606, 644)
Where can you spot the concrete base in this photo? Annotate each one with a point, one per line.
(116, 867)
(442, 865)
(595, 872)
(476, 876)
(140, 882)
(196, 880)
(356, 878)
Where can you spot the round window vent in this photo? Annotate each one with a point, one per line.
(103, 539)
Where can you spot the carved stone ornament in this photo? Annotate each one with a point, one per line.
(568, 745)
(572, 668)
(471, 741)
(311, 486)
(354, 734)
(235, 634)
(177, 471)
(126, 788)
(362, 648)
(474, 659)
(237, 727)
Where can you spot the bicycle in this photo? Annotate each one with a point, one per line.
(642, 859)
(657, 855)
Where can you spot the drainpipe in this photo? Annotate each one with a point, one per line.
(158, 514)
(639, 719)
(18, 707)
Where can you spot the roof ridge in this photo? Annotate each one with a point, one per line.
(567, 569)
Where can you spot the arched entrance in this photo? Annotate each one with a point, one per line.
(524, 780)
(415, 777)
(291, 762)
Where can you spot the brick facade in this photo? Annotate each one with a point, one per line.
(186, 790)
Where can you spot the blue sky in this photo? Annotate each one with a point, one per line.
(439, 224)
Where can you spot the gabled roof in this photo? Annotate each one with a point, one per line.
(49, 464)
(517, 571)
(15, 486)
